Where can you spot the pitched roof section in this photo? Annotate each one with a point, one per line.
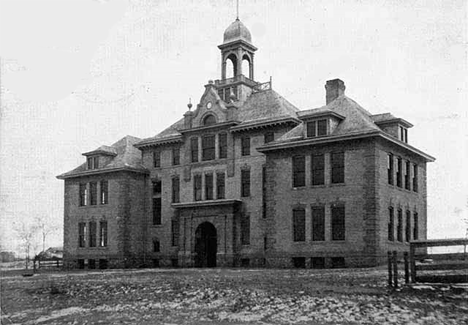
(105, 150)
(127, 157)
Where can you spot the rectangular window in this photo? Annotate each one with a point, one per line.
(175, 156)
(245, 183)
(337, 167)
(407, 174)
(220, 186)
(89, 161)
(318, 223)
(222, 145)
(338, 223)
(194, 149)
(93, 162)
(318, 262)
(156, 246)
(197, 187)
(104, 192)
(415, 178)
(208, 147)
(264, 208)
(312, 129)
(399, 173)
(175, 232)
(83, 194)
(321, 127)
(103, 233)
(299, 224)
(298, 165)
(91, 264)
(208, 186)
(103, 264)
(245, 146)
(415, 226)
(157, 187)
(269, 137)
(157, 159)
(391, 225)
(245, 230)
(318, 169)
(93, 193)
(403, 134)
(92, 233)
(175, 189)
(390, 169)
(408, 226)
(82, 234)
(157, 211)
(400, 225)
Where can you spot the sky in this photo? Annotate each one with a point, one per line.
(79, 74)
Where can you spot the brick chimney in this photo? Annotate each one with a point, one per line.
(334, 88)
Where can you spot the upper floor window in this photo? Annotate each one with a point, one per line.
(245, 146)
(407, 174)
(390, 168)
(208, 186)
(103, 234)
(222, 145)
(157, 211)
(208, 147)
(82, 234)
(403, 134)
(194, 149)
(338, 223)
(157, 187)
(93, 193)
(83, 194)
(317, 128)
(318, 169)
(104, 192)
(399, 172)
(245, 183)
(92, 233)
(415, 226)
(269, 137)
(197, 187)
(318, 223)
(415, 177)
(157, 159)
(175, 189)
(175, 232)
(156, 246)
(299, 224)
(93, 162)
(245, 230)
(400, 225)
(408, 226)
(209, 120)
(298, 164)
(337, 167)
(220, 186)
(391, 225)
(175, 156)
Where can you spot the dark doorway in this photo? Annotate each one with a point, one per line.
(205, 245)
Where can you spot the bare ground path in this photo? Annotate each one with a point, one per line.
(225, 296)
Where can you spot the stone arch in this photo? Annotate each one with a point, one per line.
(230, 65)
(209, 119)
(247, 69)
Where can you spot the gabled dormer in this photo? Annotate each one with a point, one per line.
(100, 157)
(319, 122)
(396, 127)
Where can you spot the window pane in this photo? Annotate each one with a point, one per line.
(175, 232)
(103, 233)
(82, 234)
(208, 147)
(220, 186)
(245, 150)
(400, 225)
(245, 230)
(175, 190)
(318, 169)
(208, 186)
(311, 129)
(269, 137)
(338, 223)
(157, 211)
(408, 226)
(337, 164)
(415, 178)
(93, 193)
(222, 142)
(390, 169)
(391, 224)
(92, 234)
(399, 172)
(175, 156)
(322, 127)
(157, 159)
(83, 194)
(157, 187)
(197, 184)
(245, 183)
(415, 226)
(298, 171)
(104, 192)
(194, 149)
(318, 223)
(299, 224)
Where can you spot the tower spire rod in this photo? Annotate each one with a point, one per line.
(237, 12)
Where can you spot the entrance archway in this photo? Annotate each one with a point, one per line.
(205, 245)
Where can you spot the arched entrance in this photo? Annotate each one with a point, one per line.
(205, 245)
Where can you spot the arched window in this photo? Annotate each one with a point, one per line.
(246, 66)
(231, 66)
(209, 120)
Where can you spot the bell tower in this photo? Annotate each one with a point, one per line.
(237, 63)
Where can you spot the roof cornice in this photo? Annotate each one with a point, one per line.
(263, 124)
(157, 142)
(221, 125)
(401, 121)
(305, 116)
(103, 171)
(97, 152)
(330, 139)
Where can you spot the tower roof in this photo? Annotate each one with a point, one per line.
(237, 31)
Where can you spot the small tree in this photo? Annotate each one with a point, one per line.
(45, 227)
(26, 234)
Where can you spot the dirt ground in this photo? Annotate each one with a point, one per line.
(225, 296)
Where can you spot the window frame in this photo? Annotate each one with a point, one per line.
(174, 232)
(175, 198)
(337, 172)
(408, 226)
(299, 225)
(197, 187)
(92, 233)
(317, 170)
(176, 156)
(83, 194)
(93, 193)
(208, 147)
(245, 230)
(314, 128)
(245, 146)
(194, 149)
(399, 172)
(220, 185)
(209, 188)
(318, 223)
(104, 187)
(245, 183)
(390, 169)
(400, 225)
(298, 171)
(415, 178)
(268, 137)
(103, 233)
(222, 145)
(157, 158)
(157, 211)
(391, 224)
(82, 233)
(338, 223)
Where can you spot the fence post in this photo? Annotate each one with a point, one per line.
(395, 270)
(412, 264)
(389, 258)
(406, 267)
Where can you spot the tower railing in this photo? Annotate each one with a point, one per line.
(239, 78)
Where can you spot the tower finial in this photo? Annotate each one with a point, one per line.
(189, 105)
